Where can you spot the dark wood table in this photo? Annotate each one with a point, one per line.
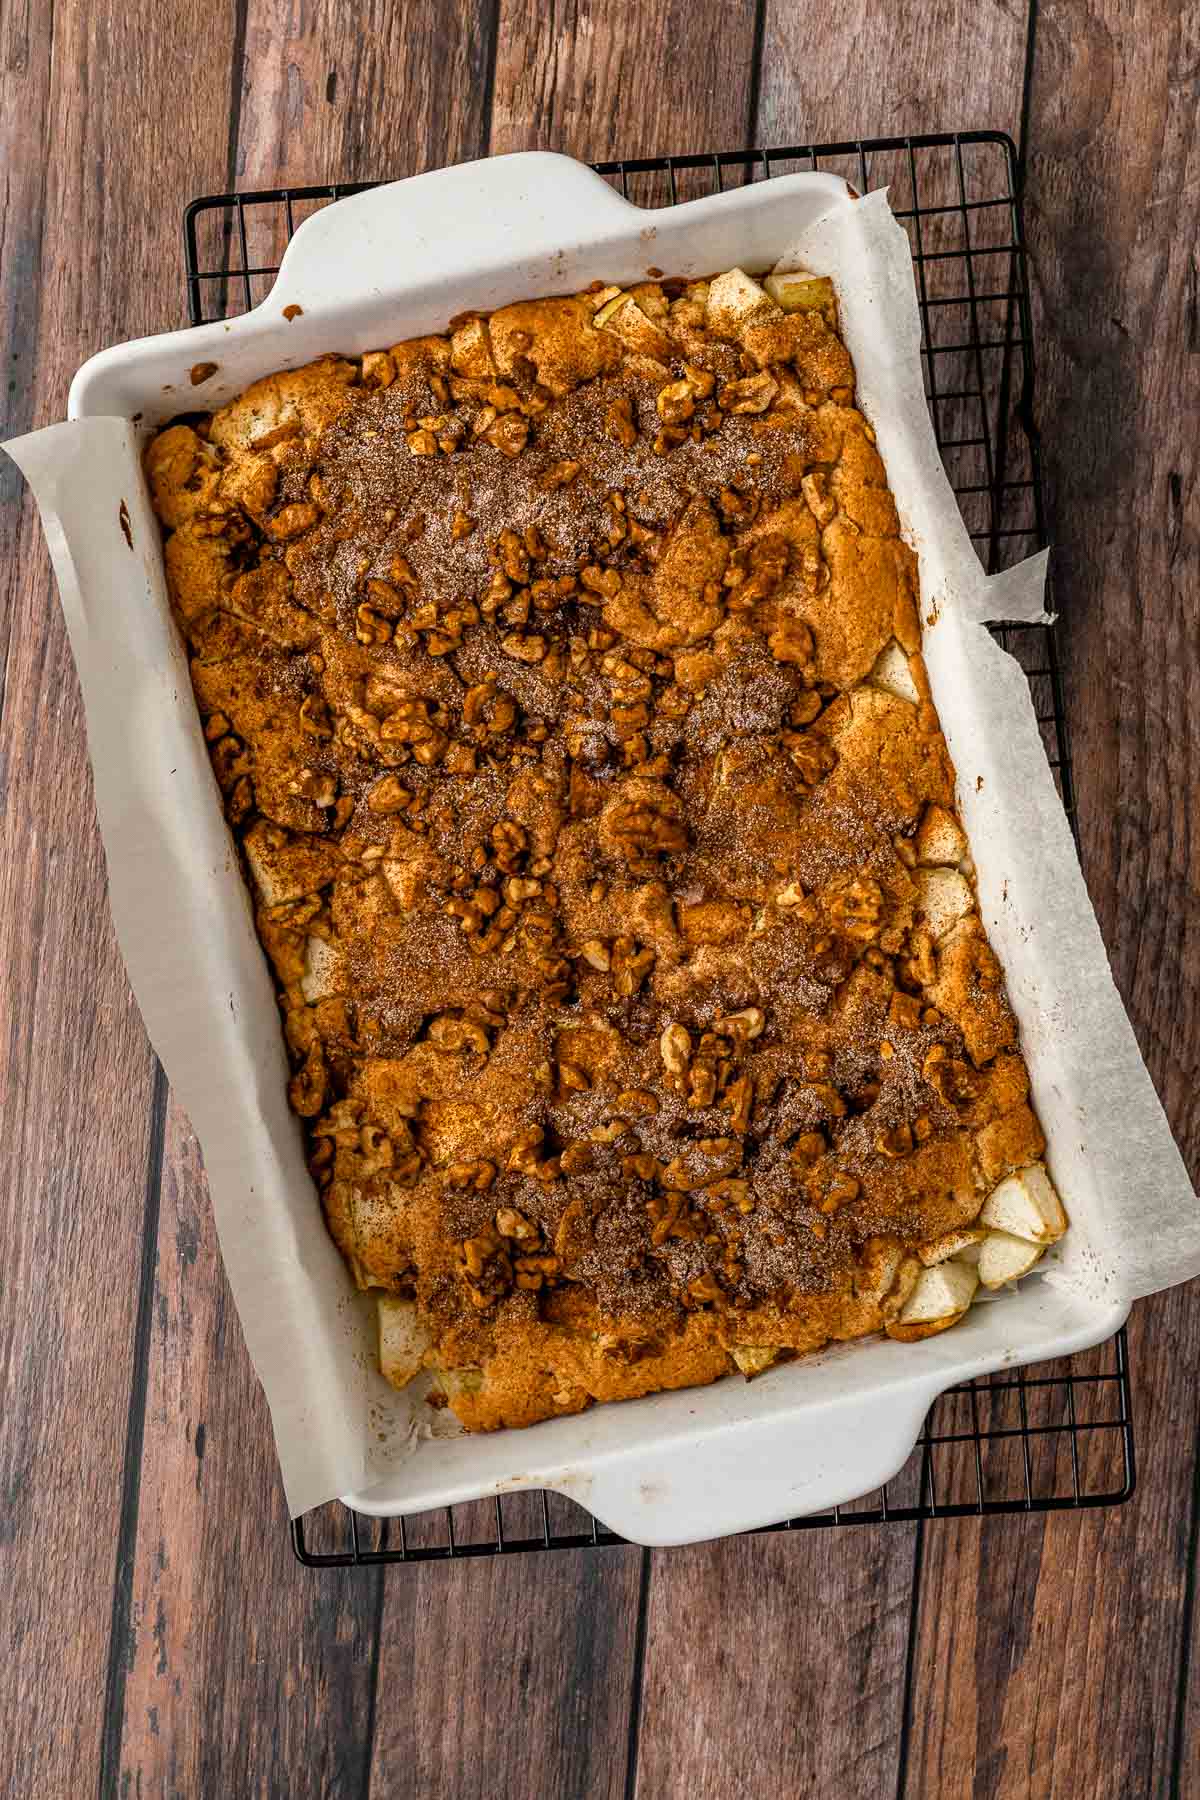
(157, 1636)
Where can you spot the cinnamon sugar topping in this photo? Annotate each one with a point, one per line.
(538, 663)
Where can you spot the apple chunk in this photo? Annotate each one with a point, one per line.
(403, 1339)
(732, 299)
(939, 1299)
(940, 837)
(323, 974)
(963, 1244)
(893, 674)
(626, 320)
(797, 292)
(1003, 1257)
(944, 897)
(1026, 1205)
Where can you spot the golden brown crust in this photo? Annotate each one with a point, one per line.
(542, 666)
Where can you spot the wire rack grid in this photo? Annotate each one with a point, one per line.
(1059, 1438)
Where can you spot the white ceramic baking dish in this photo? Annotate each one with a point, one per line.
(401, 260)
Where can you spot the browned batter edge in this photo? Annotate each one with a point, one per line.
(553, 671)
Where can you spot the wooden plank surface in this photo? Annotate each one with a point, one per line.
(105, 130)
(775, 1666)
(597, 81)
(540, 1657)
(240, 1661)
(508, 1678)
(160, 1616)
(288, 1656)
(370, 92)
(1069, 1672)
(1113, 217)
(1047, 1657)
(833, 71)
(811, 1679)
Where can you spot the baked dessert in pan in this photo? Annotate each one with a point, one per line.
(562, 680)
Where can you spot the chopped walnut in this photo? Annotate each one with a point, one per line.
(559, 475)
(739, 1099)
(676, 402)
(753, 394)
(509, 433)
(811, 756)
(671, 1217)
(646, 830)
(630, 966)
(920, 967)
(417, 724)
(701, 811)
(821, 504)
(905, 1010)
(512, 1223)
(527, 649)
(453, 1031)
(291, 521)
(855, 905)
(314, 717)
(487, 1268)
(312, 785)
(476, 1175)
(637, 1101)
(744, 1025)
(702, 1084)
(524, 1157)
(489, 710)
(700, 381)
(370, 627)
(378, 369)
(510, 841)
(705, 1290)
(791, 641)
(619, 420)
(954, 1081)
(896, 1142)
(840, 1189)
(534, 1272)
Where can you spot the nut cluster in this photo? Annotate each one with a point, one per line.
(539, 662)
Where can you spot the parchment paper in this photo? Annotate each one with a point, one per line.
(185, 926)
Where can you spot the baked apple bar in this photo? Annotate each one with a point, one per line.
(562, 680)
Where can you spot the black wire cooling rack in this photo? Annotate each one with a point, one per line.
(1054, 1440)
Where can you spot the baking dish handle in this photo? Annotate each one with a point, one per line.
(468, 217)
(757, 1472)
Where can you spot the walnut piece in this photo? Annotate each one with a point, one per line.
(603, 840)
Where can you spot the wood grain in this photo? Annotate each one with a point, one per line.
(95, 174)
(361, 93)
(521, 1667)
(503, 1679)
(287, 1656)
(833, 71)
(1112, 216)
(1047, 1656)
(596, 80)
(775, 1666)
(1067, 1633)
(796, 1688)
(282, 1655)
(1051, 1656)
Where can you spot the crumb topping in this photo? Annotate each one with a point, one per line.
(562, 679)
